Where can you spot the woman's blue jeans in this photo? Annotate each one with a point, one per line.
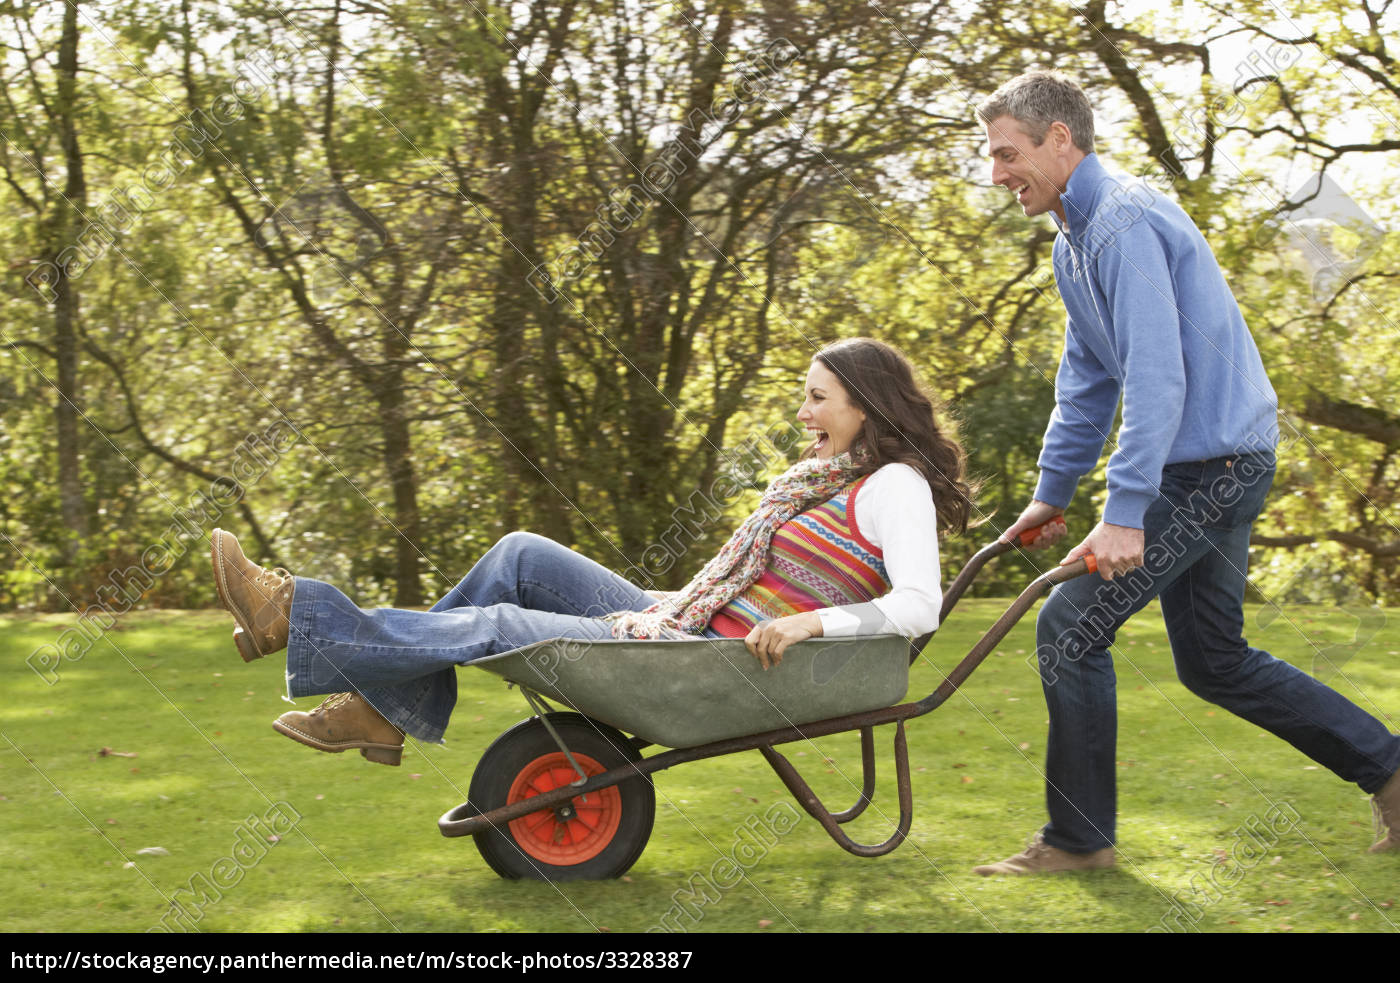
(1196, 557)
(525, 589)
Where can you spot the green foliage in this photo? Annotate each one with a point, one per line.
(353, 252)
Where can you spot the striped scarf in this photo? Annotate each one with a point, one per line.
(742, 560)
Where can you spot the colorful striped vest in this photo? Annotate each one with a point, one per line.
(818, 559)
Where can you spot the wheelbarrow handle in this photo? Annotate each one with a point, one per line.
(1037, 589)
(995, 548)
(1029, 536)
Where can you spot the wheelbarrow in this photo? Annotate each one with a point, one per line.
(568, 795)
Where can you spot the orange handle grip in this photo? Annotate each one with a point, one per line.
(1031, 535)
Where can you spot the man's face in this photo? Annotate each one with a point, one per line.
(1036, 175)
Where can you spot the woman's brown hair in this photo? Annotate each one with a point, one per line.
(901, 424)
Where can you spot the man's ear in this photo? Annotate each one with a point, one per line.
(1060, 137)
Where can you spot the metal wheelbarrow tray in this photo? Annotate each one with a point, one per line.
(686, 693)
(567, 795)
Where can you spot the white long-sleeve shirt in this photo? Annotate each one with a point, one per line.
(894, 510)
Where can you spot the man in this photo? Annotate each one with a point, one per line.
(1152, 321)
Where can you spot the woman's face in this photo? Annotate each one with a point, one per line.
(828, 413)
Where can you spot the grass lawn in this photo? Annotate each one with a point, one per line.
(366, 856)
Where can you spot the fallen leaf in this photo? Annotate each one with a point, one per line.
(1353, 917)
(415, 775)
(626, 879)
(1220, 855)
(273, 838)
(107, 752)
(1278, 904)
(1025, 745)
(764, 922)
(967, 779)
(153, 851)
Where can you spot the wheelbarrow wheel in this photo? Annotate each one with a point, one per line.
(591, 837)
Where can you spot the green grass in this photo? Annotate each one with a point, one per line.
(366, 855)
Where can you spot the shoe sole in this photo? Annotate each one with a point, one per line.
(242, 639)
(383, 754)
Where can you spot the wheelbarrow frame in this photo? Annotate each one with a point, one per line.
(463, 820)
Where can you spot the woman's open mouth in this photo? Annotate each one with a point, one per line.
(822, 439)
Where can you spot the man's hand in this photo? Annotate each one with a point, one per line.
(1117, 549)
(769, 638)
(1037, 514)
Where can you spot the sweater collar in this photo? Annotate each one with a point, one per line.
(1081, 195)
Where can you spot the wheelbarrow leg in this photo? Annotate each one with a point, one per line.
(867, 764)
(809, 801)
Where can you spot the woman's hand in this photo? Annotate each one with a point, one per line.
(769, 639)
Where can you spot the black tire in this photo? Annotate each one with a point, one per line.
(517, 852)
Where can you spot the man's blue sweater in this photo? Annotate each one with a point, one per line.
(1150, 319)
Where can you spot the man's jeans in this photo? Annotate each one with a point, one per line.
(1196, 556)
(525, 589)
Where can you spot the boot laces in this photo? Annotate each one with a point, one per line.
(271, 579)
(1036, 846)
(333, 701)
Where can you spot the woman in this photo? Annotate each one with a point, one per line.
(844, 543)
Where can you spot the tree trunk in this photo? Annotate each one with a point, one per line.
(398, 461)
(67, 221)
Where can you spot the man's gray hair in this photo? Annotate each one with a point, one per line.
(1037, 99)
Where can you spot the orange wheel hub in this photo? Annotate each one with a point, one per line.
(584, 832)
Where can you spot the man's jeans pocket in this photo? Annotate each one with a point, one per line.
(1221, 493)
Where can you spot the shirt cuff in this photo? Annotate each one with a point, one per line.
(852, 619)
(1127, 508)
(1055, 488)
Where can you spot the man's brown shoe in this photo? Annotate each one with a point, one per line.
(344, 722)
(1042, 858)
(1386, 805)
(260, 600)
